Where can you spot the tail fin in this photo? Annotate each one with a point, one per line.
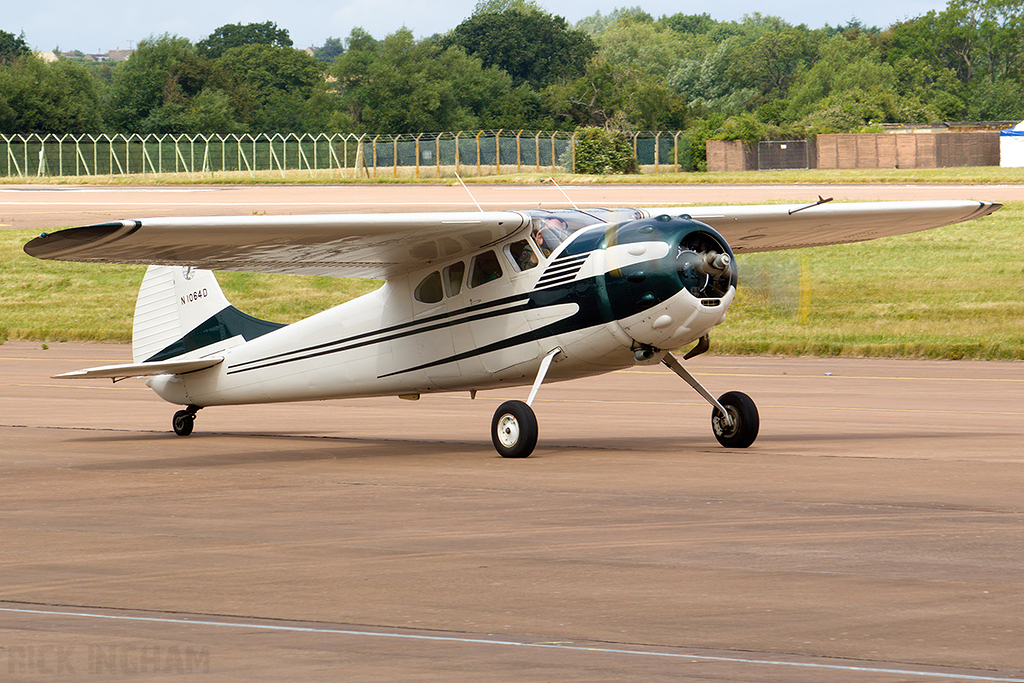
(181, 310)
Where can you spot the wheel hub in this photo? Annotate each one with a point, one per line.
(508, 431)
(722, 427)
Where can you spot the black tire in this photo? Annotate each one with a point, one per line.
(514, 430)
(746, 422)
(183, 423)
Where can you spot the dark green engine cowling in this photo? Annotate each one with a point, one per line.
(650, 262)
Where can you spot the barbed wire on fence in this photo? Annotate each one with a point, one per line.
(342, 155)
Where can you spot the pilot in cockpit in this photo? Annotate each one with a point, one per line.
(549, 233)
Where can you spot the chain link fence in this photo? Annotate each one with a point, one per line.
(426, 155)
(780, 155)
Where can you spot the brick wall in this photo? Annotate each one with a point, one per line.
(731, 155)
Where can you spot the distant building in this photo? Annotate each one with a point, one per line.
(119, 55)
(108, 56)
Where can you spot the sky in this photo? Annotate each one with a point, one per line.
(113, 24)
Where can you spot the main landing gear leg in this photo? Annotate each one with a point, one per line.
(185, 420)
(734, 420)
(514, 426)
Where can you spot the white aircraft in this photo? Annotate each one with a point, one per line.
(471, 301)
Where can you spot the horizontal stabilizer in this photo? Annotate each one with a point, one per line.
(166, 367)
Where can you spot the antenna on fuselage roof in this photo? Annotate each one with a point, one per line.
(469, 193)
(563, 193)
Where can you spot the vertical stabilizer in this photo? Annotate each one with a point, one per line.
(181, 310)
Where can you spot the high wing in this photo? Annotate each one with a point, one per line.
(772, 227)
(385, 245)
(170, 367)
(370, 245)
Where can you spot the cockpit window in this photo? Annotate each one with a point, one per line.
(523, 254)
(484, 269)
(429, 289)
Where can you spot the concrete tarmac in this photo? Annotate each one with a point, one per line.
(874, 532)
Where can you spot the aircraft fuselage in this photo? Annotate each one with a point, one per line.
(601, 295)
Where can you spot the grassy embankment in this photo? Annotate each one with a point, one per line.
(954, 292)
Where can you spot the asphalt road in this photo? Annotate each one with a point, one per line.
(874, 531)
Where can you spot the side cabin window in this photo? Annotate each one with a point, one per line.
(453, 277)
(429, 289)
(484, 269)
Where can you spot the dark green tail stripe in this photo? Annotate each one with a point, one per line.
(230, 322)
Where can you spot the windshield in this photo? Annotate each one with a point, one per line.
(551, 228)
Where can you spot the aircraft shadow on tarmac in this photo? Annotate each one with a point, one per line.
(222, 449)
(218, 449)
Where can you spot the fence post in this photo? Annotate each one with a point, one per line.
(478, 160)
(12, 158)
(457, 152)
(536, 151)
(206, 155)
(375, 155)
(417, 172)
(497, 152)
(519, 158)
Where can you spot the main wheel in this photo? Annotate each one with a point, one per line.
(745, 421)
(184, 422)
(514, 430)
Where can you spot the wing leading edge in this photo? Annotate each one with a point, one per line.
(385, 245)
(773, 227)
(371, 245)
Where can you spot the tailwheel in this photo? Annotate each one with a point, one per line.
(184, 421)
(514, 430)
(740, 430)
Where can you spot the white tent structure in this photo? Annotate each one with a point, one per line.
(1011, 146)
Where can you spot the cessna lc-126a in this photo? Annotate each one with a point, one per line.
(471, 301)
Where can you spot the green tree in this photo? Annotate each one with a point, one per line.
(276, 81)
(842, 65)
(695, 24)
(531, 46)
(772, 62)
(641, 46)
(601, 151)
(239, 35)
(992, 100)
(707, 84)
(597, 23)
(36, 97)
(948, 40)
(331, 48)
(138, 88)
(12, 47)
(611, 96)
(400, 85)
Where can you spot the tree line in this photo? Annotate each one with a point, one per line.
(511, 65)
